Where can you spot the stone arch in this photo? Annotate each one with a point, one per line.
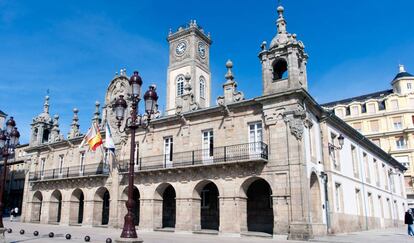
(258, 206)
(101, 206)
(55, 207)
(165, 206)
(37, 202)
(315, 199)
(207, 210)
(280, 69)
(76, 204)
(136, 209)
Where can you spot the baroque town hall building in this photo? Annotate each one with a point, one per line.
(278, 163)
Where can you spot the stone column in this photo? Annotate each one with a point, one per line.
(196, 213)
(281, 215)
(65, 213)
(146, 217)
(157, 213)
(183, 214)
(44, 217)
(88, 212)
(232, 210)
(122, 211)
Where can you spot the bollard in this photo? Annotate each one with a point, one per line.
(87, 238)
(68, 236)
(9, 230)
(36, 233)
(51, 234)
(108, 240)
(22, 232)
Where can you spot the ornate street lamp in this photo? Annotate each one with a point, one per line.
(133, 122)
(9, 139)
(341, 140)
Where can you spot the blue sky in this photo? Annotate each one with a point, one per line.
(74, 48)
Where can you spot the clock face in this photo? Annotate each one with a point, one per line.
(202, 49)
(181, 47)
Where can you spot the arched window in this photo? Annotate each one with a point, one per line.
(280, 68)
(180, 85)
(202, 87)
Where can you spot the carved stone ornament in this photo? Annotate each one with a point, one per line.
(296, 121)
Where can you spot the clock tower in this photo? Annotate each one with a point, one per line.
(189, 69)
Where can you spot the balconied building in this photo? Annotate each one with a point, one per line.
(387, 119)
(270, 164)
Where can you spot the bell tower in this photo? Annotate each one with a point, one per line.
(189, 54)
(284, 63)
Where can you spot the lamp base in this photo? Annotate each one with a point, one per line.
(129, 240)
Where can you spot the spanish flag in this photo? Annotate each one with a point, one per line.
(92, 137)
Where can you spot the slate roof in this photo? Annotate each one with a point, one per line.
(378, 94)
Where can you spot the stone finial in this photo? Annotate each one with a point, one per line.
(46, 105)
(55, 135)
(74, 127)
(229, 75)
(96, 115)
(122, 72)
(263, 46)
(280, 11)
(230, 88)
(402, 68)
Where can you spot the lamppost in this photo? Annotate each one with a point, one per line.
(133, 122)
(9, 139)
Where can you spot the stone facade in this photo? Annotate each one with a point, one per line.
(246, 165)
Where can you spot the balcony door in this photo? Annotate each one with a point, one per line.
(208, 147)
(168, 152)
(255, 138)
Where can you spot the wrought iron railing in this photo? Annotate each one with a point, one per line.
(232, 153)
(70, 172)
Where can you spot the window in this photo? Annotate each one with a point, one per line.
(81, 161)
(168, 151)
(371, 108)
(357, 126)
(312, 138)
(377, 142)
(255, 136)
(374, 125)
(355, 161)
(384, 169)
(60, 164)
(339, 112)
(358, 200)
(381, 206)
(394, 105)
(377, 175)
(367, 168)
(400, 142)
(412, 118)
(42, 166)
(180, 85)
(338, 197)
(371, 204)
(397, 122)
(334, 153)
(389, 208)
(202, 87)
(411, 102)
(208, 145)
(381, 105)
(355, 110)
(348, 111)
(403, 160)
(409, 86)
(364, 108)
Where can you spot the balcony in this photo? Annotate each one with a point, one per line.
(203, 157)
(90, 170)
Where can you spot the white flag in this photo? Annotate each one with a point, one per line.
(109, 141)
